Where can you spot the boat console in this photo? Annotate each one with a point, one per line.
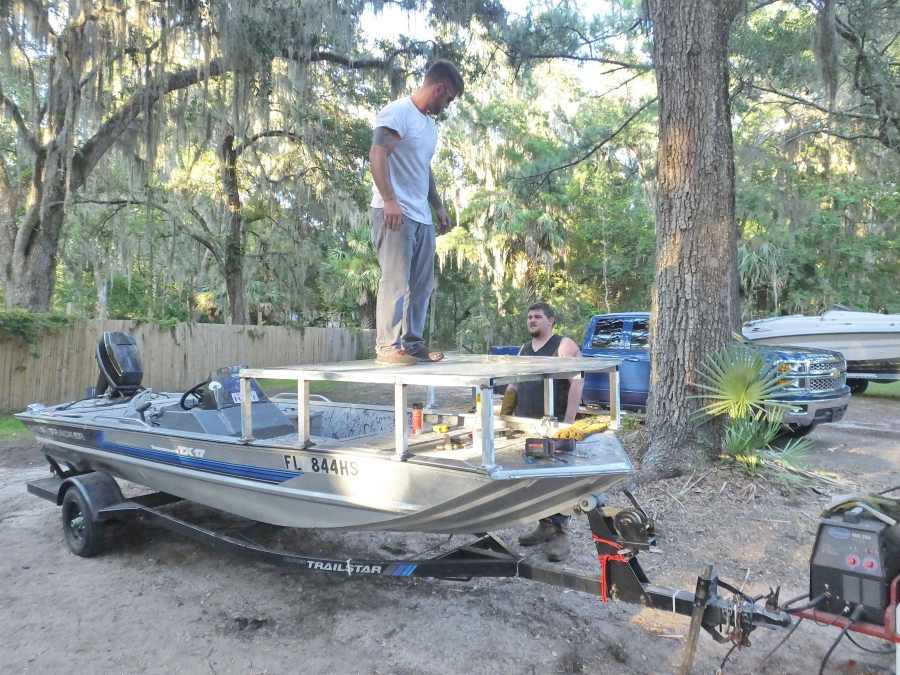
(213, 407)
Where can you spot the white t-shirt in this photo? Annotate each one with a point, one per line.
(410, 162)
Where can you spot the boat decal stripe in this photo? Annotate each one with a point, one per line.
(401, 569)
(250, 472)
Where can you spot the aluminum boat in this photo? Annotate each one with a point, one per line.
(295, 461)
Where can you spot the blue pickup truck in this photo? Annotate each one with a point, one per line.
(816, 390)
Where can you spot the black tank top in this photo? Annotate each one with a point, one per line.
(530, 395)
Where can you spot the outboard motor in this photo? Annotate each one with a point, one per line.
(120, 366)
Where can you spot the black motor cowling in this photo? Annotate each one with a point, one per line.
(120, 366)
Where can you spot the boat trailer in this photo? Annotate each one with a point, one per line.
(91, 500)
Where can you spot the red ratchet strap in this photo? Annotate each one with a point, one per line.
(605, 558)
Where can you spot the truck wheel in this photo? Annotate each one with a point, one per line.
(796, 430)
(857, 386)
(84, 537)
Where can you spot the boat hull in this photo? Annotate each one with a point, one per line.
(857, 348)
(283, 485)
(864, 338)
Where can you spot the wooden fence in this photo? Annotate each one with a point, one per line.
(62, 364)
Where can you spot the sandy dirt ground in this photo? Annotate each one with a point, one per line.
(157, 603)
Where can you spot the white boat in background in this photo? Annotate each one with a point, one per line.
(870, 342)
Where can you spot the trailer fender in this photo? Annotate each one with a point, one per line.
(98, 489)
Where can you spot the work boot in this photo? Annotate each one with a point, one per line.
(556, 548)
(539, 535)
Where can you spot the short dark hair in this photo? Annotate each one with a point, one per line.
(445, 72)
(547, 310)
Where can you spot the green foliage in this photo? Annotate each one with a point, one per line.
(816, 201)
(739, 386)
(877, 390)
(818, 212)
(11, 428)
(29, 327)
(744, 436)
(737, 383)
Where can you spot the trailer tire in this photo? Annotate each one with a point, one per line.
(857, 386)
(84, 535)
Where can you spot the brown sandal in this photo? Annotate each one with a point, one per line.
(424, 354)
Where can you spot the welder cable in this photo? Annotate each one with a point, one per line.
(857, 612)
(890, 489)
(809, 605)
(793, 600)
(889, 650)
(725, 660)
(783, 640)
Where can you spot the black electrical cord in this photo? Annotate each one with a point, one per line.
(809, 605)
(725, 660)
(890, 489)
(793, 600)
(857, 612)
(889, 650)
(783, 640)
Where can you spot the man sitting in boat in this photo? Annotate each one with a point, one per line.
(526, 399)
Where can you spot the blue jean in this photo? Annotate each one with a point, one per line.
(406, 258)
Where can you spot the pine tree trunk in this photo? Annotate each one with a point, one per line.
(694, 300)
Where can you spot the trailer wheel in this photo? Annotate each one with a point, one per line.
(84, 536)
(857, 386)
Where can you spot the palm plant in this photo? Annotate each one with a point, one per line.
(739, 385)
(352, 274)
(736, 382)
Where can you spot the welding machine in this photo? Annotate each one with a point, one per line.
(856, 556)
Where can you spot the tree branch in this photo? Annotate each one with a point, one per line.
(121, 203)
(812, 104)
(618, 86)
(827, 132)
(544, 175)
(19, 120)
(545, 56)
(272, 133)
(90, 153)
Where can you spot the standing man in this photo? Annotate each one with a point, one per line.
(526, 399)
(403, 232)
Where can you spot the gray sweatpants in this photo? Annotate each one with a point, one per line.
(406, 258)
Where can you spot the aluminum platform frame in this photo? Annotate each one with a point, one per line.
(480, 372)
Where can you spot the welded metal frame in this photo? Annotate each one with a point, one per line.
(480, 372)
